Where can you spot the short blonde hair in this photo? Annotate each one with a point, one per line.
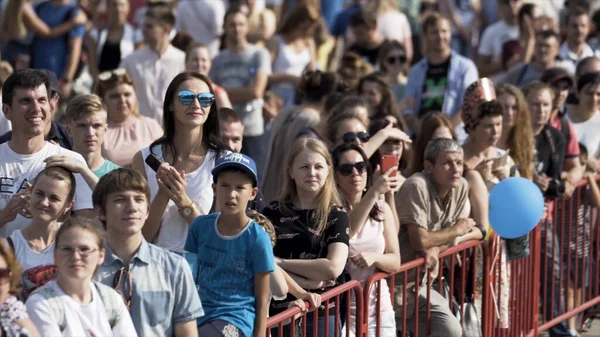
(84, 105)
(265, 223)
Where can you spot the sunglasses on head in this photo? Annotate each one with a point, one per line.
(393, 59)
(107, 75)
(346, 169)
(350, 137)
(186, 97)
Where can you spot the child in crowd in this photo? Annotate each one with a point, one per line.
(232, 129)
(234, 254)
(51, 200)
(87, 124)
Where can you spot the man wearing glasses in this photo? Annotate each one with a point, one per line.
(157, 285)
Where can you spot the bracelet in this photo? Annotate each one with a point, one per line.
(184, 207)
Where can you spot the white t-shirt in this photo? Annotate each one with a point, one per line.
(494, 37)
(81, 320)
(4, 123)
(29, 258)
(203, 21)
(17, 169)
(588, 134)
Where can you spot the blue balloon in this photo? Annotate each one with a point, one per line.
(516, 207)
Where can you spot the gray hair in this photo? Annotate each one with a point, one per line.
(439, 145)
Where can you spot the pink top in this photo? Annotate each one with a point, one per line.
(369, 238)
(124, 140)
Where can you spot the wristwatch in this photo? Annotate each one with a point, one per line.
(187, 210)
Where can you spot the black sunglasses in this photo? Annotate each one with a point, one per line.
(186, 97)
(346, 169)
(350, 137)
(400, 59)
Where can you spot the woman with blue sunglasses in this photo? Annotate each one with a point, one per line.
(181, 187)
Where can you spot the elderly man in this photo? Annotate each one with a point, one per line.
(433, 215)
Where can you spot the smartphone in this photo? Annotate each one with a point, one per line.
(500, 161)
(389, 161)
(153, 162)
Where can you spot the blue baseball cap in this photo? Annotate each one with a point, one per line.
(238, 161)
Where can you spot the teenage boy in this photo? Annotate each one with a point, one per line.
(232, 129)
(157, 285)
(235, 255)
(86, 123)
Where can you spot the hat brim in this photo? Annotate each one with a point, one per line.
(236, 165)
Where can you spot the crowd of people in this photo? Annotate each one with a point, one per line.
(189, 168)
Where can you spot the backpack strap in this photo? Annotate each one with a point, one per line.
(56, 305)
(565, 128)
(110, 298)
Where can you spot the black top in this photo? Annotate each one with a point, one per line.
(544, 162)
(58, 135)
(110, 57)
(434, 87)
(370, 55)
(297, 238)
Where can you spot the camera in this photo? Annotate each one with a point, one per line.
(556, 189)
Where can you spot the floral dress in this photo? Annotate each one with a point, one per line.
(11, 311)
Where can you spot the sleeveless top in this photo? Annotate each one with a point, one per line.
(369, 238)
(288, 61)
(174, 230)
(27, 257)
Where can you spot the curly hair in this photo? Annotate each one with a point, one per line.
(520, 138)
(265, 223)
(13, 265)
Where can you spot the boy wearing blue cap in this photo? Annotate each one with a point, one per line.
(235, 255)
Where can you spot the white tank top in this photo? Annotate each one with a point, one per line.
(288, 61)
(173, 231)
(29, 258)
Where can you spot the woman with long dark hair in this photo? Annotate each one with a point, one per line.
(181, 188)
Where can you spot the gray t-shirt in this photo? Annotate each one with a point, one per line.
(524, 73)
(233, 71)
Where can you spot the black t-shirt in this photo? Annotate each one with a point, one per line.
(370, 55)
(297, 238)
(544, 162)
(434, 87)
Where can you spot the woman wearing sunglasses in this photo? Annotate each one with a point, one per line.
(394, 66)
(74, 305)
(181, 188)
(128, 131)
(373, 236)
(14, 320)
(311, 227)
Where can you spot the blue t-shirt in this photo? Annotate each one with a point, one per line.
(227, 268)
(105, 168)
(52, 53)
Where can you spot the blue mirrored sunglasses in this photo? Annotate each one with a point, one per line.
(186, 97)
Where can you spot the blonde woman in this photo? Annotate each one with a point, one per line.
(312, 227)
(20, 22)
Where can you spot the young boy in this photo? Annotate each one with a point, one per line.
(232, 129)
(86, 123)
(234, 254)
(157, 285)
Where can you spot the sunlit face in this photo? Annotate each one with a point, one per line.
(77, 254)
(233, 190)
(394, 147)
(125, 212)
(121, 102)
(118, 10)
(361, 112)
(153, 31)
(546, 50)
(371, 93)
(29, 111)
(349, 126)
(438, 37)
(356, 182)
(88, 132)
(199, 61)
(589, 97)
(578, 28)
(442, 132)
(232, 135)
(49, 199)
(309, 171)
(540, 108)
(488, 130)
(561, 93)
(193, 114)
(447, 169)
(236, 27)
(509, 109)
(395, 61)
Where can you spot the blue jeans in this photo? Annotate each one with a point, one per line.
(309, 328)
(551, 261)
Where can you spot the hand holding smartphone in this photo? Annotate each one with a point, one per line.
(153, 162)
(389, 161)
